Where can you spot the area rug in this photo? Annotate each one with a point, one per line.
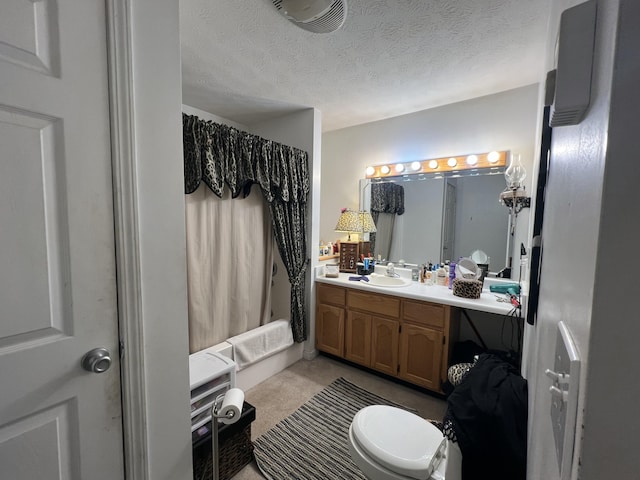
(312, 443)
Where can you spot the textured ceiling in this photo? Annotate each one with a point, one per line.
(242, 60)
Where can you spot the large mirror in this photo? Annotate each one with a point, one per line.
(444, 219)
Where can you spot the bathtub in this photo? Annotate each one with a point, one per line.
(275, 358)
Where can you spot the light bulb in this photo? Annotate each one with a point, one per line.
(493, 157)
(370, 171)
(433, 164)
(415, 166)
(399, 167)
(515, 173)
(472, 159)
(452, 162)
(385, 169)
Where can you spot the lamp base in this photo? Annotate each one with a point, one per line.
(516, 199)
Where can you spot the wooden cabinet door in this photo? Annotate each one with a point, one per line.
(384, 345)
(330, 329)
(358, 338)
(421, 356)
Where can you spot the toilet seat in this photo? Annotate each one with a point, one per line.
(399, 441)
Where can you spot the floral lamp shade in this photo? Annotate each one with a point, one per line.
(366, 220)
(351, 221)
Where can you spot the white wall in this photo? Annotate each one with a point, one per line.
(189, 110)
(504, 121)
(163, 324)
(586, 230)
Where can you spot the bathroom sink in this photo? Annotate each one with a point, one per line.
(384, 281)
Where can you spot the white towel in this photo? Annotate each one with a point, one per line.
(261, 342)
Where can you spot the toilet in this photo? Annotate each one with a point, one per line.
(388, 443)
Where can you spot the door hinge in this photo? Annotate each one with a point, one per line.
(444, 339)
(121, 347)
(399, 328)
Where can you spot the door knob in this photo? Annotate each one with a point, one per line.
(97, 360)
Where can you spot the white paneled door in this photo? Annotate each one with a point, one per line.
(57, 257)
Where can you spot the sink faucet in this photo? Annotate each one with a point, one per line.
(391, 272)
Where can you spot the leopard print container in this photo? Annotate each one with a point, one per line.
(467, 288)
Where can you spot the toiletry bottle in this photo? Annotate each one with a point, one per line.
(421, 273)
(442, 275)
(452, 274)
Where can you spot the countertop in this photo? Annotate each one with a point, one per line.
(420, 291)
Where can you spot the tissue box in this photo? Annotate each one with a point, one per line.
(467, 288)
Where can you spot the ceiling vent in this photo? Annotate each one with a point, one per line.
(317, 16)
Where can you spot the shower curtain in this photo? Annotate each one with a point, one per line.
(229, 262)
(229, 161)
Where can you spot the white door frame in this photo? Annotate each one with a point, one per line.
(134, 406)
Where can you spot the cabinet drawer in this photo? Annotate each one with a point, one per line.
(423, 313)
(330, 295)
(379, 304)
(212, 385)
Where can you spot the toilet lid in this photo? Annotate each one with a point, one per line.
(399, 440)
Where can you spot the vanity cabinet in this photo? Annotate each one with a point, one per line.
(404, 338)
(330, 319)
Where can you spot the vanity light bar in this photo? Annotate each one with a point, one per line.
(446, 164)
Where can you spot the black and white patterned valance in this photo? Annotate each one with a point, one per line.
(221, 155)
(387, 198)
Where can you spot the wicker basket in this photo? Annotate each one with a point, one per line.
(236, 452)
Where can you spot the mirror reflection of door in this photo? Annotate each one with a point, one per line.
(449, 220)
